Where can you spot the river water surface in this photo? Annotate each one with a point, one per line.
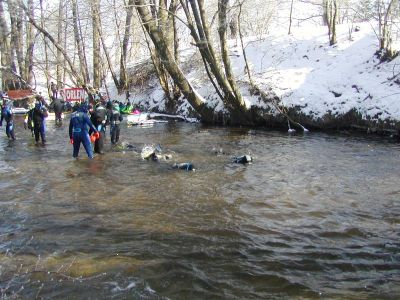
(315, 216)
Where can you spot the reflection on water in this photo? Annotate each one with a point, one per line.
(314, 216)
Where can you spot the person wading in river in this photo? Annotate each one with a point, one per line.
(58, 106)
(78, 131)
(99, 119)
(36, 116)
(8, 116)
(115, 119)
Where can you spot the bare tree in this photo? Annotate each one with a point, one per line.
(95, 5)
(60, 29)
(46, 55)
(16, 47)
(77, 75)
(290, 17)
(223, 6)
(385, 21)
(78, 39)
(331, 10)
(6, 59)
(161, 47)
(30, 42)
(223, 82)
(125, 42)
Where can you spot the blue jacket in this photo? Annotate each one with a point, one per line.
(6, 114)
(79, 123)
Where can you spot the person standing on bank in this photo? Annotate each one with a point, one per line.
(78, 131)
(99, 120)
(54, 90)
(115, 119)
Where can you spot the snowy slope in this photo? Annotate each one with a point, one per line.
(305, 71)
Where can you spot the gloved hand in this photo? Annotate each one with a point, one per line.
(71, 141)
(96, 135)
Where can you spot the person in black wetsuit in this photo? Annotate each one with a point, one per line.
(58, 107)
(36, 116)
(99, 120)
(115, 118)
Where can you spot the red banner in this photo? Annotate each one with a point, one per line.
(74, 94)
(19, 94)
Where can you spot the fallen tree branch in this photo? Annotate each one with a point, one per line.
(274, 100)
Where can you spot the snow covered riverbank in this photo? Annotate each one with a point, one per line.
(322, 82)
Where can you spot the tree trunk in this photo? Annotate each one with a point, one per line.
(96, 44)
(247, 67)
(204, 42)
(125, 43)
(30, 42)
(159, 69)
(385, 40)
(222, 30)
(60, 28)
(4, 45)
(165, 25)
(334, 22)
(78, 43)
(191, 95)
(290, 17)
(16, 49)
(85, 64)
(330, 15)
(109, 62)
(173, 9)
(74, 72)
(46, 72)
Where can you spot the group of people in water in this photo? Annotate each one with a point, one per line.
(88, 123)
(84, 129)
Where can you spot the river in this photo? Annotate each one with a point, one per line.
(314, 216)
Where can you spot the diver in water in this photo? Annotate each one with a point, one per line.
(36, 117)
(8, 116)
(115, 118)
(78, 131)
(243, 159)
(99, 120)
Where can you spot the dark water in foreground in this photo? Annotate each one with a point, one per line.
(316, 216)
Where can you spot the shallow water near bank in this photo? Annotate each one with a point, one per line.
(315, 215)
